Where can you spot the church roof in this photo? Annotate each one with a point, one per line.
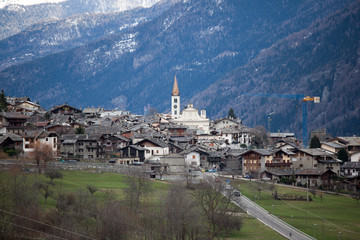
(175, 91)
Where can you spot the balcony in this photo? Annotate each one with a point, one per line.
(277, 165)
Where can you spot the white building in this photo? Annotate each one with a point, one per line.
(39, 139)
(189, 116)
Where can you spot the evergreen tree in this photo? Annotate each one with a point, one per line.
(315, 142)
(343, 155)
(231, 114)
(80, 130)
(3, 103)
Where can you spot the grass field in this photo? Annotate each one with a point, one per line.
(75, 180)
(335, 217)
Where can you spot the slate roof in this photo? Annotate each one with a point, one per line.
(351, 141)
(351, 165)
(316, 152)
(14, 137)
(81, 137)
(334, 145)
(154, 141)
(13, 115)
(264, 152)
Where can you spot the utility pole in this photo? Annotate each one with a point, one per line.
(307, 188)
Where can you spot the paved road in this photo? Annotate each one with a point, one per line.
(267, 218)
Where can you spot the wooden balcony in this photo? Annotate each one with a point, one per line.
(277, 165)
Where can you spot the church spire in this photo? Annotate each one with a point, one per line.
(175, 91)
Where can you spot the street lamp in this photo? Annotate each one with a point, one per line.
(339, 234)
(314, 230)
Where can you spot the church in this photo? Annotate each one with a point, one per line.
(189, 116)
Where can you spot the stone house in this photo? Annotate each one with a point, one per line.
(316, 158)
(12, 122)
(82, 146)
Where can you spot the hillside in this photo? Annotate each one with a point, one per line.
(60, 35)
(17, 15)
(322, 60)
(202, 42)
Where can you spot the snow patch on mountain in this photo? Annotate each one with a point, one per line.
(4, 3)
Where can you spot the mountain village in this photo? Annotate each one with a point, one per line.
(173, 143)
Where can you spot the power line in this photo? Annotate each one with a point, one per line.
(62, 229)
(30, 229)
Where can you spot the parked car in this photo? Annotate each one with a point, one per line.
(237, 194)
(266, 179)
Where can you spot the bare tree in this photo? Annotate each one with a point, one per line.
(116, 221)
(46, 187)
(261, 137)
(42, 153)
(18, 199)
(138, 182)
(216, 208)
(182, 215)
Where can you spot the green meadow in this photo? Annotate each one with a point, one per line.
(327, 217)
(73, 181)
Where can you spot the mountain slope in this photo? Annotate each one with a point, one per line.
(15, 18)
(323, 60)
(60, 35)
(200, 41)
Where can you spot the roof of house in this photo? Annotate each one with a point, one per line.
(154, 141)
(315, 152)
(228, 119)
(264, 152)
(13, 115)
(81, 137)
(349, 141)
(14, 137)
(351, 165)
(334, 145)
(64, 105)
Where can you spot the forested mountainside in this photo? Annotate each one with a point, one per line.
(322, 60)
(234, 46)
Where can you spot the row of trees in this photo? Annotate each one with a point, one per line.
(139, 213)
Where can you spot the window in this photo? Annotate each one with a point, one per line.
(315, 165)
(301, 165)
(47, 139)
(157, 151)
(147, 151)
(175, 100)
(81, 150)
(175, 112)
(193, 156)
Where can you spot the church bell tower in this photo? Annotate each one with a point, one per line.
(175, 100)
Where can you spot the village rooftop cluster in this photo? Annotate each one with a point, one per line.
(170, 143)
